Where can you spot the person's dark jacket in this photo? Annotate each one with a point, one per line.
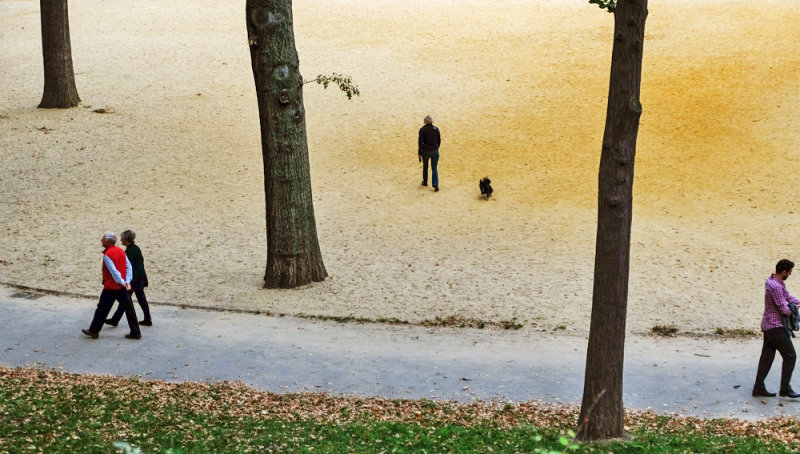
(137, 263)
(429, 138)
(791, 323)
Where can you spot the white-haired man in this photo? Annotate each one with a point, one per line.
(117, 275)
(429, 141)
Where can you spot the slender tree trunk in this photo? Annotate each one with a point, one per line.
(59, 78)
(603, 418)
(293, 254)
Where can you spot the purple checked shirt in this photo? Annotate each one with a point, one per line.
(775, 303)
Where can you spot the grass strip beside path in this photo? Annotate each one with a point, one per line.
(50, 411)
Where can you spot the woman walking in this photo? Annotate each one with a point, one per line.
(139, 281)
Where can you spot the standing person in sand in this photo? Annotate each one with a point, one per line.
(776, 299)
(429, 141)
(139, 281)
(117, 275)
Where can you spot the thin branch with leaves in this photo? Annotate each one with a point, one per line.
(610, 5)
(343, 81)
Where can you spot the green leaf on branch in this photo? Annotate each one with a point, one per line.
(343, 81)
(610, 5)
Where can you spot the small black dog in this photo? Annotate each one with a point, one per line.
(486, 187)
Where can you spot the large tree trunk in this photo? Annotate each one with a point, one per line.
(603, 418)
(59, 78)
(293, 254)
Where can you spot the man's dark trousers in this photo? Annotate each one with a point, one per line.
(776, 339)
(107, 298)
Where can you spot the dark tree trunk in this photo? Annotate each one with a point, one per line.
(293, 254)
(603, 418)
(59, 78)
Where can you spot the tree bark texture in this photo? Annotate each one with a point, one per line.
(59, 77)
(603, 418)
(293, 253)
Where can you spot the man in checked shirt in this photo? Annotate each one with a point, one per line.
(776, 299)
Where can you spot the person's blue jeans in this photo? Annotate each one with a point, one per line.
(433, 156)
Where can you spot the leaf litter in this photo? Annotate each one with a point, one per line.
(237, 400)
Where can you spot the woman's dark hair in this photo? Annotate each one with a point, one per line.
(784, 265)
(130, 235)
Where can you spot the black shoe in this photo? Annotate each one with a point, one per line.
(110, 322)
(789, 393)
(436, 189)
(133, 336)
(424, 183)
(146, 322)
(91, 334)
(762, 392)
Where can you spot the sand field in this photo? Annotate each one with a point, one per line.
(518, 89)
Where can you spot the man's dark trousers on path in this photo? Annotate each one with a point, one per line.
(107, 298)
(776, 339)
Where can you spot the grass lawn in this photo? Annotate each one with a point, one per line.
(49, 411)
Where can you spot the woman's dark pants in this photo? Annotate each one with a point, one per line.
(138, 289)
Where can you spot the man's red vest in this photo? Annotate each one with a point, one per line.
(117, 255)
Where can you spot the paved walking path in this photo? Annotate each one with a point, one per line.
(688, 376)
